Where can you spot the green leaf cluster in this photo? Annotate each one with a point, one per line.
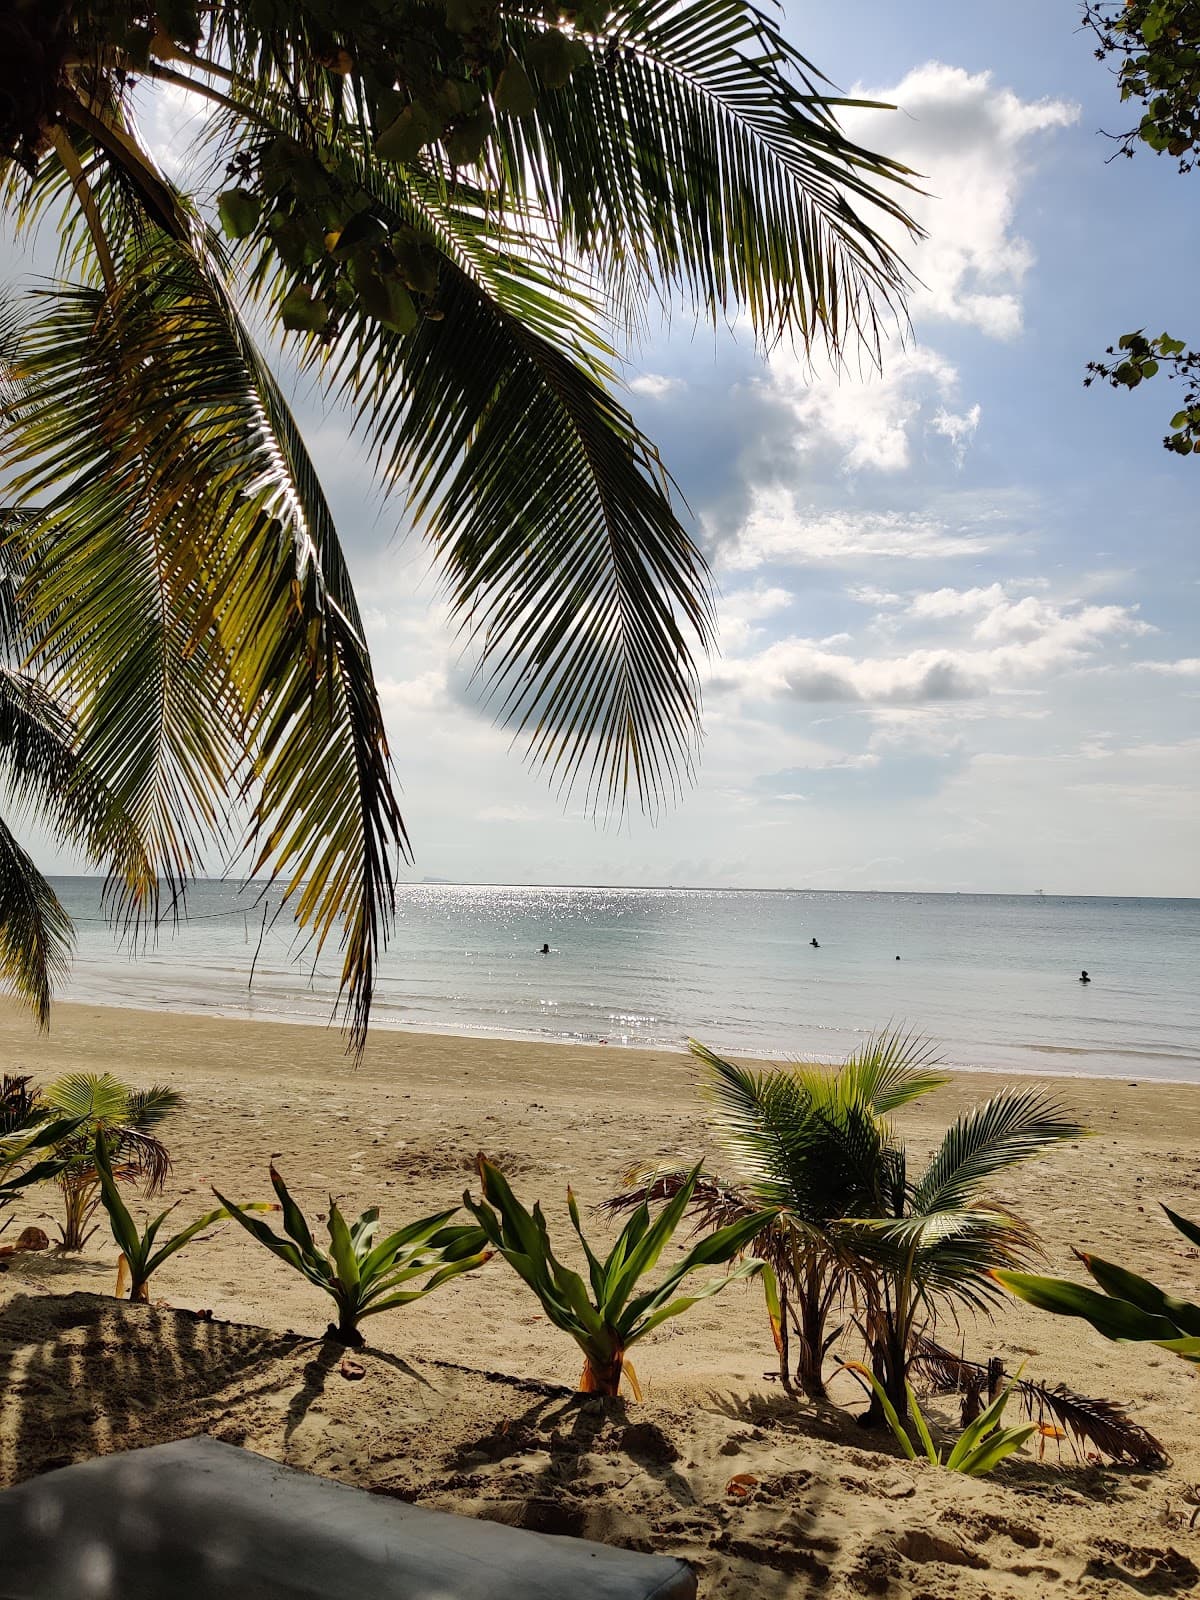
(1129, 1309)
(1137, 358)
(32, 1138)
(361, 1276)
(981, 1446)
(1157, 43)
(604, 1314)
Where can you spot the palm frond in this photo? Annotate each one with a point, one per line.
(195, 601)
(894, 1067)
(91, 1096)
(1010, 1127)
(141, 1157)
(696, 150)
(36, 936)
(44, 773)
(21, 1107)
(1104, 1425)
(764, 1120)
(563, 556)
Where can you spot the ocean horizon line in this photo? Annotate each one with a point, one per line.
(689, 888)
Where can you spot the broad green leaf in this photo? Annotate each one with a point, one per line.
(1115, 1319)
(1140, 1292)
(994, 1449)
(342, 1247)
(1189, 1230)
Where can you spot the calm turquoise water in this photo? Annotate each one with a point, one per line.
(994, 978)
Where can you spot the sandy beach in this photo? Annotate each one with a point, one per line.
(461, 1405)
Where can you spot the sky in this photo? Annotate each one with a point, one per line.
(959, 646)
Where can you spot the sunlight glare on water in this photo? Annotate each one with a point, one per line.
(993, 978)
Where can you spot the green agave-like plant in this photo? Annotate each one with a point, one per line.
(1131, 1309)
(982, 1444)
(139, 1259)
(362, 1277)
(607, 1319)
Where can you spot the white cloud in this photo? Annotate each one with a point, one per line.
(173, 123)
(959, 427)
(749, 605)
(1187, 667)
(1018, 644)
(427, 691)
(939, 603)
(741, 613)
(972, 142)
(778, 530)
(868, 420)
(655, 385)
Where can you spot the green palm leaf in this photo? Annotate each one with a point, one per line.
(1010, 1127)
(211, 617)
(697, 150)
(36, 936)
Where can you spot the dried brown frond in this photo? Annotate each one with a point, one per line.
(1103, 1425)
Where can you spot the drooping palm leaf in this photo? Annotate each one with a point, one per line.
(214, 619)
(1012, 1126)
(36, 936)
(696, 150)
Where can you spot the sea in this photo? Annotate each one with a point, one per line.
(993, 980)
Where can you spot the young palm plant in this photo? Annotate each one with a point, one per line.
(851, 1230)
(608, 1318)
(932, 1242)
(360, 1276)
(802, 1143)
(139, 1259)
(458, 246)
(125, 1119)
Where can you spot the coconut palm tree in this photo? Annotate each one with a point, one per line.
(455, 212)
(102, 1108)
(854, 1232)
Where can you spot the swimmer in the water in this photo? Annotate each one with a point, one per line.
(814, 944)
(1083, 977)
(545, 950)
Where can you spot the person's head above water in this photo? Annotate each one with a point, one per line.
(814, 944)
(1083, 977)
(545, 950)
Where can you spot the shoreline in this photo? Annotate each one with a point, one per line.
(382, 1027)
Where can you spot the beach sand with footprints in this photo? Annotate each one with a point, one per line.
(462, 1402)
